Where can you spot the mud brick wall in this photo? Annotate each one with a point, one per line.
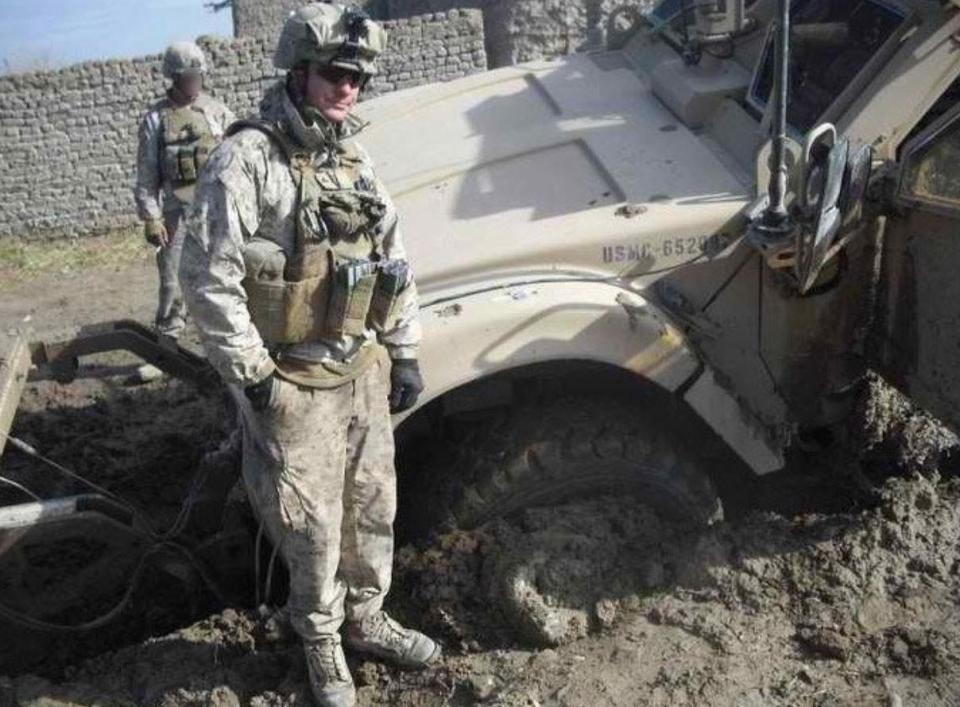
(261, 18)
(264, 18)
(429, 48)
(525, 30)
(68, 137)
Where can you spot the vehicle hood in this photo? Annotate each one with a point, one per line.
(524, 172)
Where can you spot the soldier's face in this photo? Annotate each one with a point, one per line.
(334, 94)
(189, 85)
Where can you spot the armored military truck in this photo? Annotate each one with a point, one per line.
(649, 267)
(584, 225)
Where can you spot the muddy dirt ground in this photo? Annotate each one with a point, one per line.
(834, 585)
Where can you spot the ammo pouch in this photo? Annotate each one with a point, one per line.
(187, 144)
(351, 293)
(312, 296)
(393, 280)
(288, 301)
(190, 162)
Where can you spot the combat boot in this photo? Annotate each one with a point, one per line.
(330, 678)
(383, 637)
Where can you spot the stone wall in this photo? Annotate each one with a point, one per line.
(264, 18)
(526, 30)
(428, 48)
(68, 137)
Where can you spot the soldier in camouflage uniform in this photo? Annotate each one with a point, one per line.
(295, 273)
(176, 136)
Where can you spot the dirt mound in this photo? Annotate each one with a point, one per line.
(143, 444)
(857, 609)
(598, 602)
(891, 431)
(550, 576)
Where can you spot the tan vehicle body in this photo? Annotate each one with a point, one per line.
(589, 222)
(591, 209)
(599, 312)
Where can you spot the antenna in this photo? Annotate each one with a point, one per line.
(775, 223)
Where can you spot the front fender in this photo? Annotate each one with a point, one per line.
(473, 336)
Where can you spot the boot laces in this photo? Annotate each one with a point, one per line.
(383, 629)
(330, 659)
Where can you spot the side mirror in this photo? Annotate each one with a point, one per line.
(835, 181)
(827, 181)
(825, 159)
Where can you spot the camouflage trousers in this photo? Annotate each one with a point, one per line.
(319, 468)
(171, 317)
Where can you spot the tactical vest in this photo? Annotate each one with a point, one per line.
(187, 144)
(336, 282)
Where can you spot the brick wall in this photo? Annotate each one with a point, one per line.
(525, 30)
(264, 18)
(68, 137)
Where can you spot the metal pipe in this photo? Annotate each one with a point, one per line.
(25, 515)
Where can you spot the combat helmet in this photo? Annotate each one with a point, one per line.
(183, 57)
(330, 34)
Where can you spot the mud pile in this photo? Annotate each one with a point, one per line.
(548, 577)
(892, 433)
(824, 610)
(142, 444)
(818, 609)
(598, 602)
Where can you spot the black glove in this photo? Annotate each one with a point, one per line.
(262, 394)
(405, 384)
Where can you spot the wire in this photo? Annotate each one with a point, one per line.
(23, 619)
(175, 529)
(30, 451)
(256, 564)
(268, 590)
(162, 541)
(18, 617)
(161, 538)
(19, 487)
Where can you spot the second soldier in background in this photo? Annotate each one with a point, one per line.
(177, 136)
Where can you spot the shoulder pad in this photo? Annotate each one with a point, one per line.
(265, 127)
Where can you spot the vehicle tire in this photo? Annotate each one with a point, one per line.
(546, 454)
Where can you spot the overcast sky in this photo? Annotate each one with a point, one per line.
(36, 33)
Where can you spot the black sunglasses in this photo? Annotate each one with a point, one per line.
(336, 74)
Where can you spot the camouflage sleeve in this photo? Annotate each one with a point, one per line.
(147, 189)
(403, 341)
(229, 118)
(224, 214)
(226, 119)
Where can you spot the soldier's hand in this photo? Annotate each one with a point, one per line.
(156, 233)
(261, 395)
(406, 384)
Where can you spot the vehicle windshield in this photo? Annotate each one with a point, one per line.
(833, 43)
